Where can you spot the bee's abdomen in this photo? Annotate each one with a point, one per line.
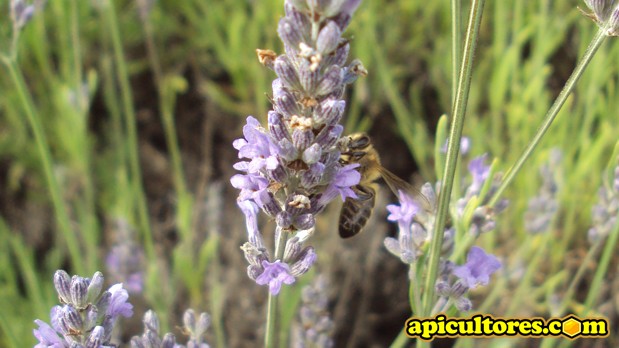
(356, 212)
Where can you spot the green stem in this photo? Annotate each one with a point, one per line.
(402, 340)
(455, 133)
(272, 304)
(60, 208)
(456, 39)
(130, 124)
(552, 113)
(414, 290)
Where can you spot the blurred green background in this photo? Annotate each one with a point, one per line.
(116, 125)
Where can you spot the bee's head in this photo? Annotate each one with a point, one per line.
(359, 141)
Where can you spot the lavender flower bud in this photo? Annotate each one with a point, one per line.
(284, 219)
(70, 321)
(91, 317)
(601, 8)
(443, 289)
(169, 341)
(304, 222)
(327, 138)
(94, 288)
(285, 103)
(277, 127)
(104, 302)
(306, 259)
(62, 283)
(267, 203)
(613, 22)
(302, 138)
(290, 33)
(353, 71)
(151, 321)
(312, 154)
(95, 340)
(459, 289)
(150, 338)
(339, 56)
(312, 177)
(331, 81)
(463, 304)
(286, 73)
(328, 38)
(79, 292)
(329, 112)
(254, 271)
(196, 328)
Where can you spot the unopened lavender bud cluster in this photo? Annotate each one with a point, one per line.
(125, 262)
(194, 327)
(606, 15)
(21, 13)
(544, 206)
(291, 167)
(315, 326)
(86, 316)
(604, 213)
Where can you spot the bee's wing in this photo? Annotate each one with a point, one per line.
(395, 183)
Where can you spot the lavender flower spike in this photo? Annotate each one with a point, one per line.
(478, 268)
(290, 168)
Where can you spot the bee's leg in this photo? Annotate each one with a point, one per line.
(364, 193)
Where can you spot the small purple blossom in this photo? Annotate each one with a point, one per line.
(405, 212)
(275, 274)
(118, 303)
(342, 184)
(411, 234)
(257, 146)
(251, 185)
(478, 268)
(250, 209)
(479, 171)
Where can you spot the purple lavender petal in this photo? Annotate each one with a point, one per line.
(47, 336)
(275, 274)
(478, 268)
(118, 303)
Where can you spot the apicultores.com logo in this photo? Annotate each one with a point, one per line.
(570, 327)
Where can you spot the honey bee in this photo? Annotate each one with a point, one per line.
(357, 148)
